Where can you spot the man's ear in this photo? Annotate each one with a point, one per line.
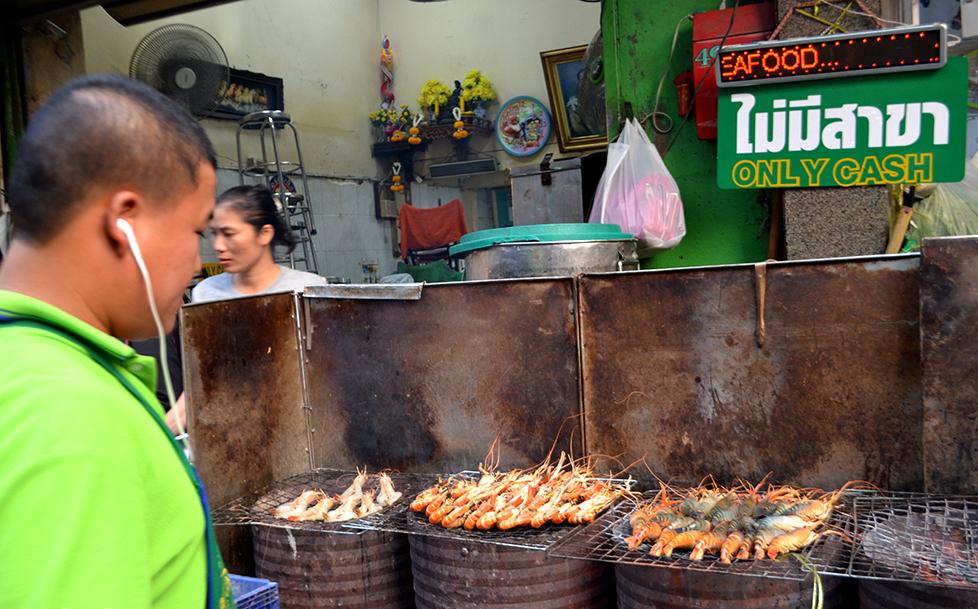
(123, 205)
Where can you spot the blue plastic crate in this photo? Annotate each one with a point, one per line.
(254, 593)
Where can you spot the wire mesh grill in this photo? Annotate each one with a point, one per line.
(391, 519)
(604, 540)
(403, 520)
(256, 508)
(917, 538)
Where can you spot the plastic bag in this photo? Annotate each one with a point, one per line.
(637, 192)
(950, 210)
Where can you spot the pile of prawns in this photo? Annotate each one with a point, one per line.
(565, 492)
(739, 523)
(354, 502)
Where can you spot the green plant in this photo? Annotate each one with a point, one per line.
(433, 93)
(476, 87)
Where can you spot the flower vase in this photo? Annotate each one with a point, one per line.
(388, 132)
(479, 108)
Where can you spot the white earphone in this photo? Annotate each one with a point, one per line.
(130, 234)
(126, 228)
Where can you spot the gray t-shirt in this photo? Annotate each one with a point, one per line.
(221, 287)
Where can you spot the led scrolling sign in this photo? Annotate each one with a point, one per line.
(890, 50)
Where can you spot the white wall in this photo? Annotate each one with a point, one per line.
(502, 38)
(327, 52)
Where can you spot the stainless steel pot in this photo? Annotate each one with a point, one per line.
(550, 259)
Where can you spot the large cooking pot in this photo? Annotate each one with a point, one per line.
(546, 250)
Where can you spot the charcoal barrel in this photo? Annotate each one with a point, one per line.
(899, 595)
(316, 569)
(661, 588)
(456, 574)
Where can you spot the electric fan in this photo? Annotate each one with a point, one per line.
(183, 62)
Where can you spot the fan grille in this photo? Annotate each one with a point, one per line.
(186, 50)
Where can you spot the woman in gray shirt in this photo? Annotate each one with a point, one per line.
(245, 228)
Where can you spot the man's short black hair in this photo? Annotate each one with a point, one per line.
(101, 131)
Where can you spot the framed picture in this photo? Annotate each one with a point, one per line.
(523, 126)
(247, 92)
(563, 70)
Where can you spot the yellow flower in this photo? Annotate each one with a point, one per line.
(476, 87)
(433, 92)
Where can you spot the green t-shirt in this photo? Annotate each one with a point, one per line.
(96, 509)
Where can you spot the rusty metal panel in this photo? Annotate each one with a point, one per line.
(949, 350)
(244, 389)
(672, 371)
(427, 385)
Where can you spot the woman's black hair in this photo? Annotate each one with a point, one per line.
(257, 207)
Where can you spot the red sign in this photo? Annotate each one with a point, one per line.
(752, 22)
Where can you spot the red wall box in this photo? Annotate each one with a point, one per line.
(752, 22)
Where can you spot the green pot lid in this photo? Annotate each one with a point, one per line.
(538, 233)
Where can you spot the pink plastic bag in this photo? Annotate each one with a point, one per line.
(637, 192)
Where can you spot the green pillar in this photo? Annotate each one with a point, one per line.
(722, 226)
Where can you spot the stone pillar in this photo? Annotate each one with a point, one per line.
(831, 222)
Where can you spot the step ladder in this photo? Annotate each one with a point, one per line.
(275, 173)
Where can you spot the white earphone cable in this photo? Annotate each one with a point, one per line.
(126, 228)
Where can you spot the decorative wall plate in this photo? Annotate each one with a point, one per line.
(523, 126)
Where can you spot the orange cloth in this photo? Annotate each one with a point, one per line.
(423, 229)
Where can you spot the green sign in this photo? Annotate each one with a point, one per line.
(906, 127)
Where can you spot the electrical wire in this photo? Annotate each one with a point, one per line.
(953, 39)
(709, 72)
(656, 113)
(852, 11)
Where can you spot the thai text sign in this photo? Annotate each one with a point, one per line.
(885, 129)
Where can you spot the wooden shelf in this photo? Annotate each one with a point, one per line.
(443, 131)
(404, 152)
(388, 149)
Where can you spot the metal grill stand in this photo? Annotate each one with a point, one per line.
(275, 173)
(897, 537)
(916, 538)
(604, 540)
(325, 564)
(400, 519)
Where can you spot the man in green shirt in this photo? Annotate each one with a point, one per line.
(98, 508)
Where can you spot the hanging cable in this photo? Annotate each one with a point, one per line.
(708, 74)
(656, 114)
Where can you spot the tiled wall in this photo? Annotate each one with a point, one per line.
(478, 205)
(347, 230)
(426, 195)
